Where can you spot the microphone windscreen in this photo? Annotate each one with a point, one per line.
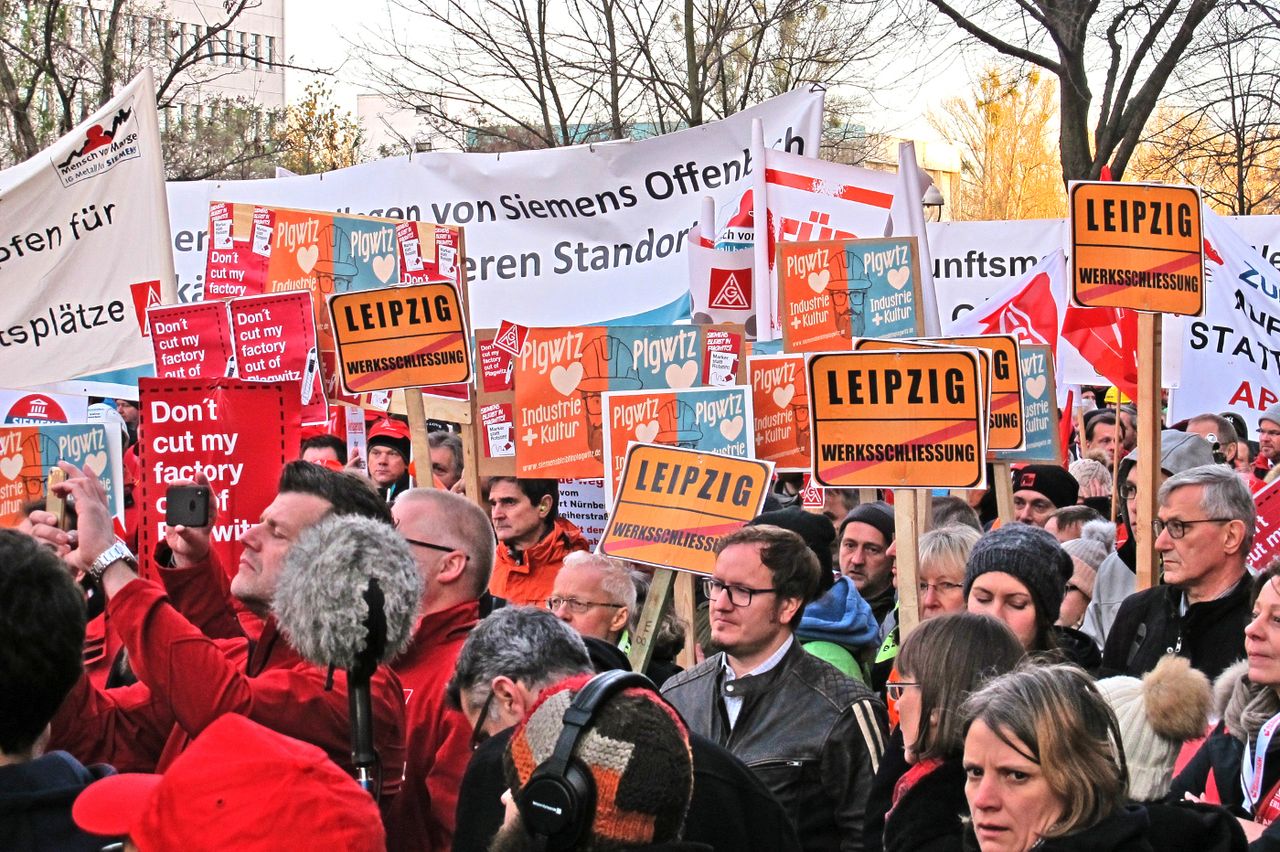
(319, 602)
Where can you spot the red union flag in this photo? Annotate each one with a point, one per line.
(719, 283)
(804, 199)
(728, 291)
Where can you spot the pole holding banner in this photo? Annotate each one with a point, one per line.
(1148, 468)
(651, 614)
(907, 529)
(1002, 472)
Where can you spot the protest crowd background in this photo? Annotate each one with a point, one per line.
(357, 546)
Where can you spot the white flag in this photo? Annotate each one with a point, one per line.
(84, 245)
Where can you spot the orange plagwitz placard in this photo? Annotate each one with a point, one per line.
(780, 402)
(1137, 246)
(400, 337)
(674, 504)
(898, 419)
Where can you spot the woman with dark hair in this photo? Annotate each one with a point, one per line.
(941, 663)
(1018, 574)
(1045, 769)
(1238, 766)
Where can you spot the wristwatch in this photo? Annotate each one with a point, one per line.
(115, 553)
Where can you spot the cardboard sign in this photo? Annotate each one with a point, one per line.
(1137, 246)
(998, 353)
(1040, 408)
(27, 408)
(673, 505)
(401, 337)
(238, 434)
(28, 453)
(192, 341)
(713, 420)
(562, 374)
(275, 341)
(837, 290)
(1266, 538)
(898, 419)
(780, 400)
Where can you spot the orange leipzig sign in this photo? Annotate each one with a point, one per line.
(1137, 246)
(898, 419)
(674, 504)
(400, 337)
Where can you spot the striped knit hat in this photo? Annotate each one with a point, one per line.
(637, 751)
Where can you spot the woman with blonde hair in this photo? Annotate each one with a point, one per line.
(1045, 768)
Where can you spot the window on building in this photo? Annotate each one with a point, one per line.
(271, 51)
(257, 50)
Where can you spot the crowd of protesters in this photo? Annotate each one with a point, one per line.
(1042, 701)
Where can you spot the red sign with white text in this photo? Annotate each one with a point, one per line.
(191, 341)
(275, 340)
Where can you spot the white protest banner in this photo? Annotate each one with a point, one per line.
(582, 503)
(1236, 345)
(557, 237)
(84, 230)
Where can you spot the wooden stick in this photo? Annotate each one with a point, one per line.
(906, 535)
(1002, 473)
(867, 495)
(415, 410)
(1148, 468)
(686, 609)
(655, 607)
(1117, 450)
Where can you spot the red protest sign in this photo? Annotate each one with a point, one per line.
(1266, 538)
(191, 341)
(239, 250)
(238, 434)
(275, 340)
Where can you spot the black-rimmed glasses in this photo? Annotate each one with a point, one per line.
(738, 595)
(1177, 528)
(478, 733)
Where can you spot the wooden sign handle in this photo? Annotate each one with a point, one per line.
(1148, 467)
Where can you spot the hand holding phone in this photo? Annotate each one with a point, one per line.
(187, 506)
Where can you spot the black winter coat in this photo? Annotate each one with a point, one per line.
(1124, 831)
(927, 819)
(1222, 754)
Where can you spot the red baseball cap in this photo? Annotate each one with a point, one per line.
(238, 786)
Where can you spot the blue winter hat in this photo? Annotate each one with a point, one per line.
(840, 615)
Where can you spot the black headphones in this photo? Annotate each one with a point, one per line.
(559, 800)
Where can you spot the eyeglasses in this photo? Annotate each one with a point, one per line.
(478, 733)
(576, 606)
(940, 588)
(1177, 529)
(738, 595)
(427, 544)
(1128, 491)
(895, 690)
(1270, 433)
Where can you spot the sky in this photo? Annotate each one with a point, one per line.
(317, 32)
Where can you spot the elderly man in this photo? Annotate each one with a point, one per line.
(452, 543)
(187, 679)
(812, 735)
(446, 457)
(1039, 489)
(516, 653)
(594, 595)
(1204, 529)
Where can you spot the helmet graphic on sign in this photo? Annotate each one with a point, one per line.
(607, 365)
(678, 426)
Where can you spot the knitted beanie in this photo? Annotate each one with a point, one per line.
(1272, 414)
(1030, 555)
(816, 530)
(1157, 714)
(1050, 480)
(878, 514)
(635, 748)
(1096, 542)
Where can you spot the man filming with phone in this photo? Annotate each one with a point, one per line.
(193, 659)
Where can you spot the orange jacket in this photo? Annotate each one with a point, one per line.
(526, 578)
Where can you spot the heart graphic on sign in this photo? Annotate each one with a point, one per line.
(731, 428)
(782, 395)
(1035, 385)
(383, 267)
(307, 257)
(899, 277)
(682, 375)
(95, 463)
(818, 281)
(646, 432)
(565, 379)
(10, 467)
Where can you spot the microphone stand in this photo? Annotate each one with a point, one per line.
(364, 757)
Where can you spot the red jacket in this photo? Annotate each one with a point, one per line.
(186, 680)
(526, 578)
(422, 817)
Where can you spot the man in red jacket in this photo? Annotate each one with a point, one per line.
(452, 542)
(534, 539)
(187, 678)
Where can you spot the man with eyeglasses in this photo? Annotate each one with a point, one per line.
(1116, 580)
(1268, 441)
(594, 595)
(813, 735)
(453, 544)
(1204, 529)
